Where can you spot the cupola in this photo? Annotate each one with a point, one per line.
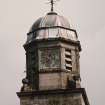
(51, 25)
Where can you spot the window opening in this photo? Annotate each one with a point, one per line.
(68, 59)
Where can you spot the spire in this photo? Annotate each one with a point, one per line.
(52, 5)
(52, 2)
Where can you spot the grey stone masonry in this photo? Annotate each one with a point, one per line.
(54, 97)
(51, 62)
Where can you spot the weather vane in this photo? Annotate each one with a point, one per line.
(52, 2)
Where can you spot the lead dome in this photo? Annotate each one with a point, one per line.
(51, 25)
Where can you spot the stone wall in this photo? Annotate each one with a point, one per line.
(55, 99)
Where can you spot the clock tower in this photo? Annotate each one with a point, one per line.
(52, 64)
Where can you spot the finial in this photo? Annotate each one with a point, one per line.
(52, 5)
(52, 2)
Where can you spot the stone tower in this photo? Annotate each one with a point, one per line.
(52, 64)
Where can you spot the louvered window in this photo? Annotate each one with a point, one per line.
(68, 59)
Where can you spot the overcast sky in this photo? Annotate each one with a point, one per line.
(86, 16)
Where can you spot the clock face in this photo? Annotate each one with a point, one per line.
(49, 58)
